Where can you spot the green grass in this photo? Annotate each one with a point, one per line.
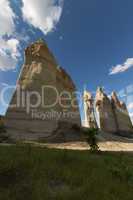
(32, 173)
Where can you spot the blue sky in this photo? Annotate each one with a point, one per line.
(88, 38)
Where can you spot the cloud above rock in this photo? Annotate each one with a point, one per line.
(8, 47)
(130, 105)
(9, 54)
(42, 14)
(7, 16)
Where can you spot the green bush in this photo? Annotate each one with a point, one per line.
(92, 139)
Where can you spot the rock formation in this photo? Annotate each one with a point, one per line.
(1, 122)
(105, 112)
(113, 114)
(122, 118)
(45, 94)
(45, 99)
(90, 120)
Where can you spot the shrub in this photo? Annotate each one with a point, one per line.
(92, 139)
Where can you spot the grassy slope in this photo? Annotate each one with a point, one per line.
(31, 173)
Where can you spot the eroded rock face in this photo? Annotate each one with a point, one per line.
(113, 114)
(46, 94)
(123, 121)
(1, 121)
(105, 112)
(90, 120)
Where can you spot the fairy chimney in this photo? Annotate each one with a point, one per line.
(45, 95)
(105, 112)
(123, 121)
(90, 120)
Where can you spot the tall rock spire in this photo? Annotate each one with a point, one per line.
(43, 91)
(105, 112)
(39, 50)
(90, 120)
(123, 121)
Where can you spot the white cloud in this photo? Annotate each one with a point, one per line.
(9, 54)
(6, 18)
(122, 68)
(4, 84)
(131, 114)
(42, 14)
(130, 105)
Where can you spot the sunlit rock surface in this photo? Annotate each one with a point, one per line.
(46, 95)
(123, 121)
